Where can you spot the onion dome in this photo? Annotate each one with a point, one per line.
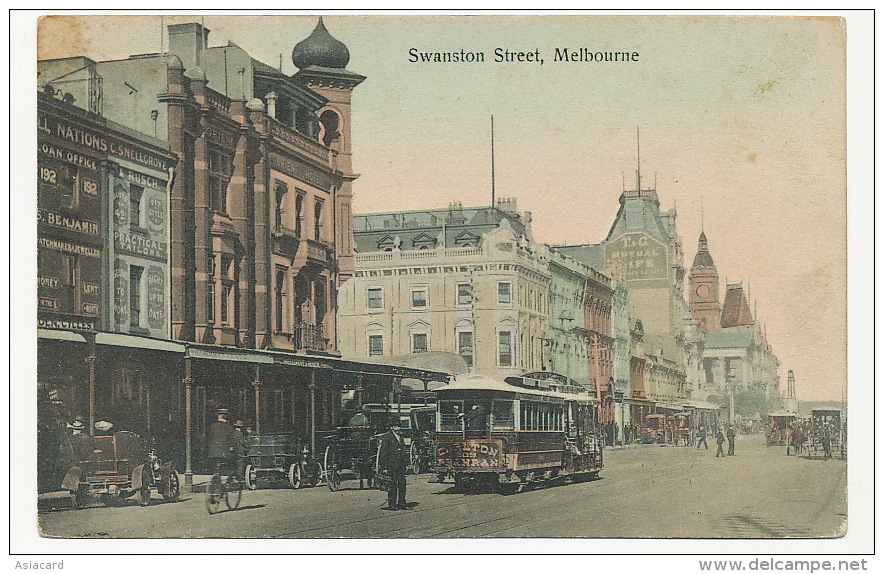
(320, 49)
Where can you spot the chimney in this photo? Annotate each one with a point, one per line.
(187, 42)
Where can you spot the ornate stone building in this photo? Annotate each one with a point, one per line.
(469, 281)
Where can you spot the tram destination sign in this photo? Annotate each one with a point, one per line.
(471, 453)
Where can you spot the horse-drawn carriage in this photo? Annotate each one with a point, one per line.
(826, 434)
(352, 450)
(115, 467)
(779, 425)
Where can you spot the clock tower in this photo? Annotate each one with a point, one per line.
(704, 292)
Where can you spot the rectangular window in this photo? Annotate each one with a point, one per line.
(419, 343)
(210, 291)
(464, 294)
(280, 198)
(317, 219)
(465, 346)
(375, 345)
(375, 298)
(280, 298)
(451, 415)
(71, 280)
(135, 193)
(419, 298)
(226, 289)
(502, 415)
(503, 293)
(68, 182)
(299, 205)
(135, 274)
(504, 349)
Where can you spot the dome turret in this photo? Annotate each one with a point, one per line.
(320, 49)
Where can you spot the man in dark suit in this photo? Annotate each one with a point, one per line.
(222, 444)
(392, 460)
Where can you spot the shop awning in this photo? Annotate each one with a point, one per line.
(123, 340)
(59, 335)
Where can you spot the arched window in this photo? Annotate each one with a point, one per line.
(330, 124)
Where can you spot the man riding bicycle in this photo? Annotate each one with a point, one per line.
(222, 445)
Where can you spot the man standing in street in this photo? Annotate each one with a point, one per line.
(392, 460)
(701, 438)
(731, 437)
(719, 438)
(222, 444)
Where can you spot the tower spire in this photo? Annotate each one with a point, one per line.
(702, 228)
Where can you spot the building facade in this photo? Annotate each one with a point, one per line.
(213, 285)
(461, 280)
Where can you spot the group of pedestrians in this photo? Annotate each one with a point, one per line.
(719, 439)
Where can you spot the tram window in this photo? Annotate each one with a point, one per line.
(476, 415)
(502, 415)
(451, 415)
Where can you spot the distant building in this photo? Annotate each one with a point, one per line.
(643, 252)
(465, 280)
(736, 354)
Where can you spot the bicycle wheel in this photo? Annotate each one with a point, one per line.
(233, 494)
(332, 474)
(213, 494)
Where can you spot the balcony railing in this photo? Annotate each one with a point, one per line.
(298, 140)
(419, 254)
(309, 337)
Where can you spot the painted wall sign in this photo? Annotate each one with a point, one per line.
(636, 256)
(156, 299)
(133, 244)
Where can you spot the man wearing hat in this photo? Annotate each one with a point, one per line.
(241, 446)
(222, 444)
(392, 460)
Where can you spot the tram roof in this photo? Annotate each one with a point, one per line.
(487, 383)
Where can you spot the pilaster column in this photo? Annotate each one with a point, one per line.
(187, 381)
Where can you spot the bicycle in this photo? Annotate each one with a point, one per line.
(229, 490)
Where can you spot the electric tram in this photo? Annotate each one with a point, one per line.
(519, 431)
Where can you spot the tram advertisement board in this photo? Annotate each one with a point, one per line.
(470, 453)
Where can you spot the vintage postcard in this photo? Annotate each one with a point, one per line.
(563, 282)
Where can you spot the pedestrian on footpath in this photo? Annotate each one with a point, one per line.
(731, 437)
(392, 461)
(768, 433)
(241, 447)
(701, 438)
(719, 438)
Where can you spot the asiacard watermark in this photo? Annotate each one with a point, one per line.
(28, 565)
(775, 564)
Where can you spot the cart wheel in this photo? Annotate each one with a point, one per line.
(233, 496)
(251, 477)
(295, 475)
(144, 492)
(79, 497)
(333, 476)
(213, 494)
(172, 492)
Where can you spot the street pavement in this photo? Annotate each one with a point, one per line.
(645, 491)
